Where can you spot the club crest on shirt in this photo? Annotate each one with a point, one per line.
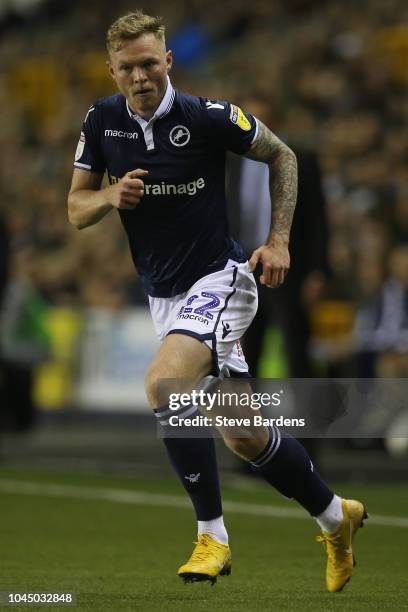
(80, 147)
(179, 136)
(238, 117)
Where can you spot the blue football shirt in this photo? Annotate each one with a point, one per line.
(179, 231)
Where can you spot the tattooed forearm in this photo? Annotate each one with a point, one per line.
(282, 163)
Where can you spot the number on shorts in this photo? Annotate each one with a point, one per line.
(203, 310)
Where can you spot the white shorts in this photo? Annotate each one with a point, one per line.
(217, 310)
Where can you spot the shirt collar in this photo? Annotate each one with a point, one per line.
(163, 108)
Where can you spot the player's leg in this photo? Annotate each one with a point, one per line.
(189, 326)
(289, 469)
(281, 460)
(285, 464)
(191, 453)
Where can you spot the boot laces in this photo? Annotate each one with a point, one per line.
(331, 544)
(203, 549)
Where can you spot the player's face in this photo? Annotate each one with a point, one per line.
(140, 70)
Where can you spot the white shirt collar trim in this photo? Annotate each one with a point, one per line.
(163, 108)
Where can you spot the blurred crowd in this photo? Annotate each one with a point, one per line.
(336, 77)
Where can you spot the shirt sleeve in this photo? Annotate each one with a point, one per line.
(88, 155)
(229, 126)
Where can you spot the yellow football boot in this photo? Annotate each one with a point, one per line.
(209, 560)
(338, 545)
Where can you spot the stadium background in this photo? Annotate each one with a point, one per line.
(75, 334)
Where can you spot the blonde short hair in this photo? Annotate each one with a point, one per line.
(131, 26)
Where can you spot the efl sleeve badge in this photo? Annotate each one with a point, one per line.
(238, 117)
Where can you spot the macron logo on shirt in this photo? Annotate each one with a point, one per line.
(121, 134)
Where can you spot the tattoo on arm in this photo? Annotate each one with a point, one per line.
(282, 163)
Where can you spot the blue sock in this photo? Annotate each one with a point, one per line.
(285, 464)
(194, 460)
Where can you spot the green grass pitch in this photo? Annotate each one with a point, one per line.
(124, 556)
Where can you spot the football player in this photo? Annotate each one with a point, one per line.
(164, 153)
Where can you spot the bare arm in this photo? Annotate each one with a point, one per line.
(274, 255)
(88, 203)
(282, 164)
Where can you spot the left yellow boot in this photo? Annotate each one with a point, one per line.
(339, 545)
(209, 560)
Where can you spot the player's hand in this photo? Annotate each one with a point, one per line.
(127, 193)
(275, 261)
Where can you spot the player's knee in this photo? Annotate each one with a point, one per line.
(249, 447)
(157, 382)
(154, 387)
